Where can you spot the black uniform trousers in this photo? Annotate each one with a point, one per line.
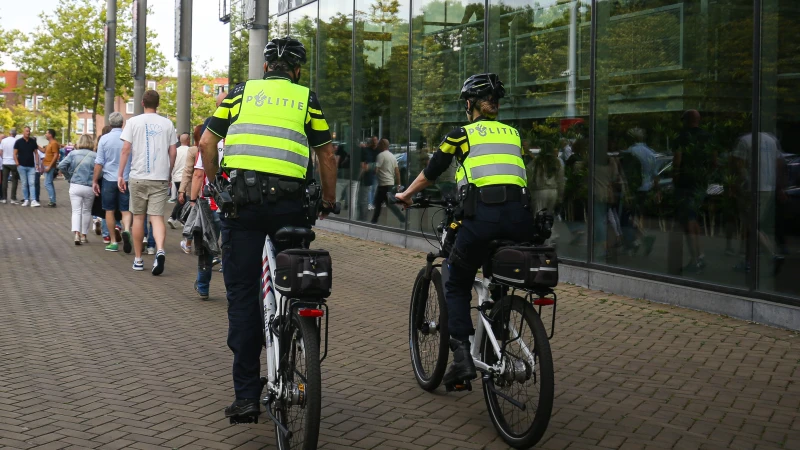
(242, 246)
(509, 221)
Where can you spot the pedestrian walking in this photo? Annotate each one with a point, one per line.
(149, 139)
(51, 155)
(109, 152)
(9, 167)
(78, 169)
(26, 157)
(177, 176)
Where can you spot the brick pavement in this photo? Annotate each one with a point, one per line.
(95, 355)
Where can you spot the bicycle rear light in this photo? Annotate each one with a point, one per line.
(309, 312)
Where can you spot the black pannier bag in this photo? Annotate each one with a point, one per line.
(302, 273)
(526, 267)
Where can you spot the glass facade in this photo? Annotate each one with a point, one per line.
(664, 134)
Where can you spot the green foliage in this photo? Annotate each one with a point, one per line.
(63, 58)
(202, 105)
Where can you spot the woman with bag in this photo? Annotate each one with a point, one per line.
(78, 169)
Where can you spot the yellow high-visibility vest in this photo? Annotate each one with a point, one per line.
(269, 134)
(495, 156)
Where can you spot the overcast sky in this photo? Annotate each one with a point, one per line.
(210, 37)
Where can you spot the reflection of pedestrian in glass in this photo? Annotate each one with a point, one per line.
(343, 167)
(772, 183)
(691, 165)
(576, 187)
(546, 181)
(388, 175)
(366, 188)
(605, 179)
(639, 166)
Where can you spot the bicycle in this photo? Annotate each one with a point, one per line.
(293, 326)
(508, 361)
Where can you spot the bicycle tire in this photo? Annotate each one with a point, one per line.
(517, 433)
(429, 349)
(302, 338)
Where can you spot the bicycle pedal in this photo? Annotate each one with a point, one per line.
(458, 386)
(249, 418)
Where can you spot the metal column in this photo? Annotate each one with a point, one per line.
(183, 51)
(258, 40)
(110, 50)
(138, 54)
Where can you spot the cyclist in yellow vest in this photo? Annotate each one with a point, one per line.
(493, 190)
(268, 126)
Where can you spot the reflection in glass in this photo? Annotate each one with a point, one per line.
(335, 89)
(674, 90)
(303, 27)
(779, 149)
(447, 47)
(380, 105)
(541, 52)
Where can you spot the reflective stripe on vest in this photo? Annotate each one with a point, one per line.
(495, 156)
(269, 133)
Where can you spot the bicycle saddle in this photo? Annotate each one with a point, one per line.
(295, 233)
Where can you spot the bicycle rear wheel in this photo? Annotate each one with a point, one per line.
(427, 330)
(301, 375)
(528, 379)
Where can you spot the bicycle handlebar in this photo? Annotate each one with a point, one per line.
(337, 208)
(420, 201)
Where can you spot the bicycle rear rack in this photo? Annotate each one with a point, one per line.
(297, 304)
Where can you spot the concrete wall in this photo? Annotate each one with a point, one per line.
(754, 310)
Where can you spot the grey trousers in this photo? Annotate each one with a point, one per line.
(10, 169)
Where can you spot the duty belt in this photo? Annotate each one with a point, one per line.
(252, 187)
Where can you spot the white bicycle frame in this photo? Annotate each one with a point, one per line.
(481, 287)
(273, 303)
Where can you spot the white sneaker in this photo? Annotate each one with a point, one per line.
(3, 202)
(171, 223)
(25, 203)
(186, 248)
(151, 251)
(14, 202)
(35, 204)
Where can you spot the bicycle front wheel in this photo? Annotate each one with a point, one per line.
(427, 330)
(520, 400)
(299, 412)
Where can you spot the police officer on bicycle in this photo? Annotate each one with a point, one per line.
(268, 126)
(492, 189)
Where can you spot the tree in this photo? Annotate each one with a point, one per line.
(203, 104)
(67, 64)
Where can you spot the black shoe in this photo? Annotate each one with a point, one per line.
(463, 368)
(243, 407)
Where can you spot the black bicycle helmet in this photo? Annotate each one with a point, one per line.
(287, 49)
(481, 85)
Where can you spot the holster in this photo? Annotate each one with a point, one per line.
(468, 197)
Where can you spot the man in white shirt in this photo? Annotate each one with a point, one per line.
(177, 174)
(150, 140)
(388, 175)
(9, 167)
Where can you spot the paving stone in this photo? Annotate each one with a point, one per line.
(98, 355)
